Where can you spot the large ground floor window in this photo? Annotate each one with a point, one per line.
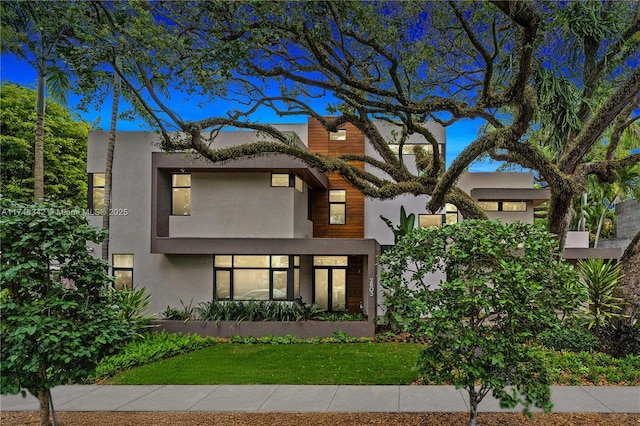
(256, 277)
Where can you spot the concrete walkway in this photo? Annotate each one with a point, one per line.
(288, 398)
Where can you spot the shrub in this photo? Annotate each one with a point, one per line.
(188, 312)
(133, 306)
(619, 338)
(253, 310)
(601, 280)
(575, 339)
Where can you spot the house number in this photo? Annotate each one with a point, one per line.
(371, 289)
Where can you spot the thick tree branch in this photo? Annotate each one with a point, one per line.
(607, 113)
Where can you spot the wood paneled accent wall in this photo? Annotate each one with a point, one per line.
(354, 144)
(355, 282)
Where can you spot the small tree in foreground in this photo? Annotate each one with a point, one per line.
(57, 320)
(504, 283)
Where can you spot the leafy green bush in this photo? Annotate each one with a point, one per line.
(133, 305)
(575, 339)
(149, 348)
(620, 338)
(253, 310)
(187, 313)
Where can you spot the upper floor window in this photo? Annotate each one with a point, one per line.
(340, 135)
(503, 206)
(287, 180)
(409, 149)
(123, 271)
(280, 179)
(181, 194)
(514, 206)
(337, 206)
(96, 192)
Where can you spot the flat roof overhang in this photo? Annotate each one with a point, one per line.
(273, 163)
(537, 195)
(271, 246)
(592, 253)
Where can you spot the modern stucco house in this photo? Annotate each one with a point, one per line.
(268, 228)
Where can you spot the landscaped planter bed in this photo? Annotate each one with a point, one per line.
(302, 329)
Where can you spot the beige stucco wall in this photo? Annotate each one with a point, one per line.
(469, 181)
(241, 205)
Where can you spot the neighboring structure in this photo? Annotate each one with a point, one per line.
(267, 228)
(627, 225)
(515, 202)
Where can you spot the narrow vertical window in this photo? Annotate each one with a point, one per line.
(181, 194)
(96, 193)
(123, 271)
(337, 206)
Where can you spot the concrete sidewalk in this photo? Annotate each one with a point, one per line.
(289, 398)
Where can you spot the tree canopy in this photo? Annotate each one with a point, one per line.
(36, 34)
(549, 79)
(553, 82)
(65, 150)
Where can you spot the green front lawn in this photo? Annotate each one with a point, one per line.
(161, 358)
(295, 364)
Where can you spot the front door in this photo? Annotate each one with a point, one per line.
(330, 289)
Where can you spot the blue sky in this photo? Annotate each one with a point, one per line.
(459, 135)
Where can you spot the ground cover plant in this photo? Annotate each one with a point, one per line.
(149, 348)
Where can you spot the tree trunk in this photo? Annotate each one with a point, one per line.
(630, 282)
(595, 243)
(38, 148)
(582, 225)
(45, 415)
(559, 216)
(109, 166)
(473, 406)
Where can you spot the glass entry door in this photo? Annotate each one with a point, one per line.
(330, 282)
